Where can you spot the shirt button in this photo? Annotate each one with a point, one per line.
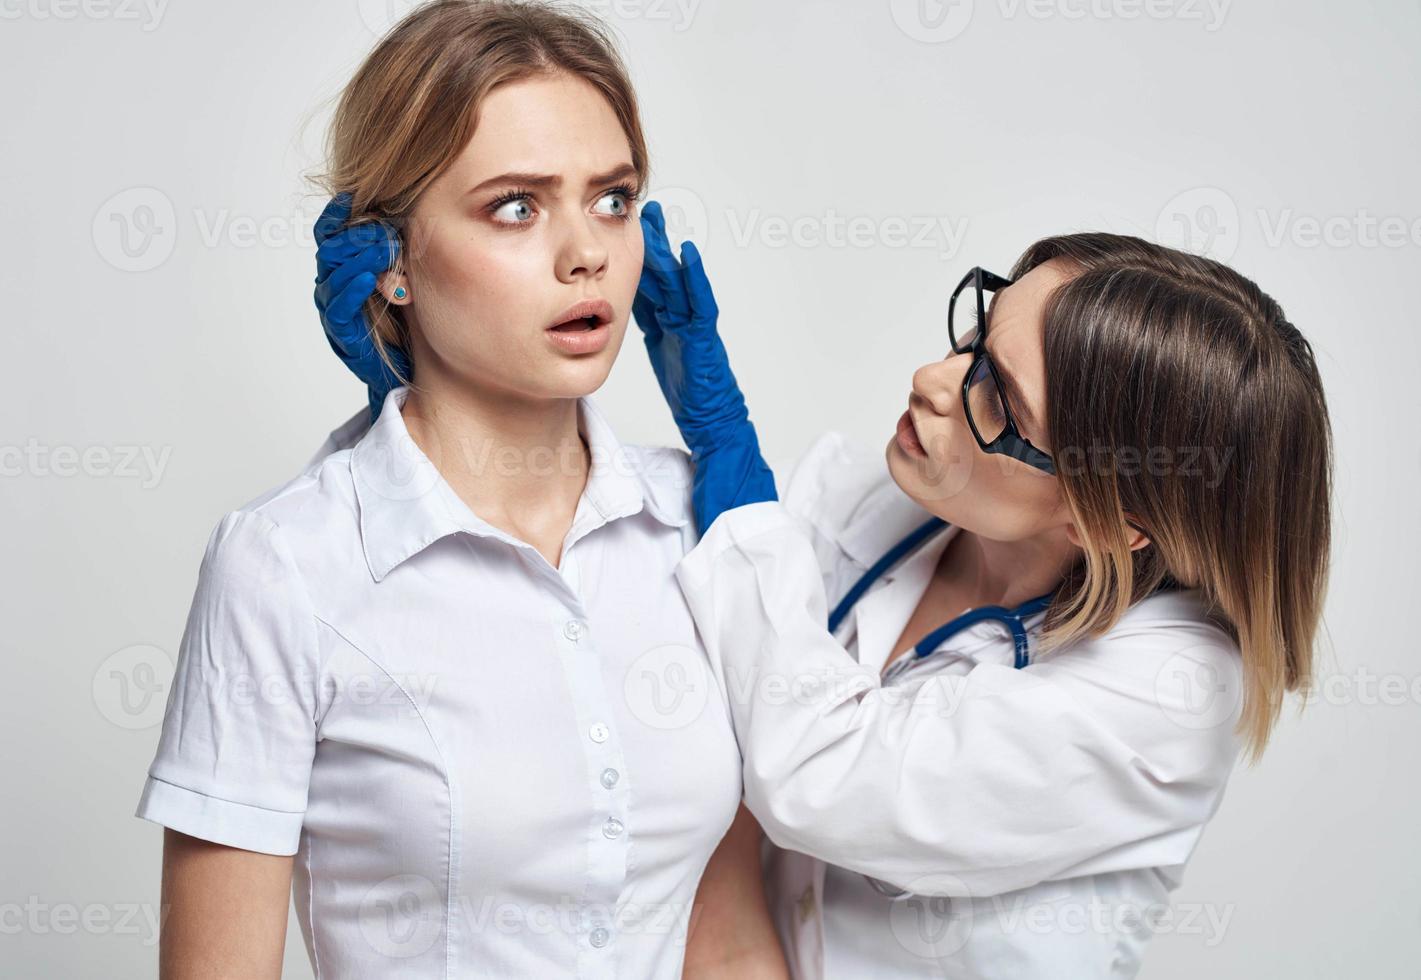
(572, 629)
(598, 733)
(612, 829)
(600, 937)
(610, 777)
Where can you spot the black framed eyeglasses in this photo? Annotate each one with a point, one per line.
(984, 399)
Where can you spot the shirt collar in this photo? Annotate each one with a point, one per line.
(885, 516)
(405, 505)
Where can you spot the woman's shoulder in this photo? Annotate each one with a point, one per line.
(1171, 675)
(294, 527)
(1172, 624)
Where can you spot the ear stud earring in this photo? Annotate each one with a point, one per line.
(400, 292)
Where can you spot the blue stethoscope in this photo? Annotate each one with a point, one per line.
(1014, 619)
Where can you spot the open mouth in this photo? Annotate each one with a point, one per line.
(583, 328)
(583, 317)
(585, 323)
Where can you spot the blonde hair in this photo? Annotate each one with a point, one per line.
(412, 107)
(1152, 349)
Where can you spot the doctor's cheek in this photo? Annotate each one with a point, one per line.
(947, 469)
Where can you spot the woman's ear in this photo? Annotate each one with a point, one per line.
(394, 286)
(1134, 534)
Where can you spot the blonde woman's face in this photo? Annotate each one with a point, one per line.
(535, 217)
(946, 471)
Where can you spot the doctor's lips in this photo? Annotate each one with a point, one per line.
(583, 327)
(907, 436)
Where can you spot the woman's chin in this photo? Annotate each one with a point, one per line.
(934, 485)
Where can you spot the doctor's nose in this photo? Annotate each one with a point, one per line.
(939, 383)
(582, 254)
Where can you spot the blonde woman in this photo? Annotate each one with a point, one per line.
(404, 682)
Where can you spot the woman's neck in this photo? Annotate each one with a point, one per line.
(1006, 573)
(518, 463)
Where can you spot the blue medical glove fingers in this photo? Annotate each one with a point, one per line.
(371, 241)
(346, 325)
(365, 268)
(663, 267)
(689, 358)
(697, 285)
(349, 261)
(333, 217)
(644, 312)
(340, 298)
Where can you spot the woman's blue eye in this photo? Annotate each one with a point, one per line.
(517, 211)
(618, 206)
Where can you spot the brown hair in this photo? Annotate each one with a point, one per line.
(1149, 349)
(412, 106)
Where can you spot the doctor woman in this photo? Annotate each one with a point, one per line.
(989, 689)
(403, 684)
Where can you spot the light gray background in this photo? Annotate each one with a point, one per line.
(1282, 136)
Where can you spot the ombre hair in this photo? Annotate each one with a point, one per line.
(412, 107)
(1148, 349)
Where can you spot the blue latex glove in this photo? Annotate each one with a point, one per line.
(349, 261)
(677, 314)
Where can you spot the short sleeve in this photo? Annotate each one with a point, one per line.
(239, 732)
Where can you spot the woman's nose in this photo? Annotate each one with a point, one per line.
(583, 254)
(940, 383)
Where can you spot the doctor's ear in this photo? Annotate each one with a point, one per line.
(395, 288)
(1134, 533)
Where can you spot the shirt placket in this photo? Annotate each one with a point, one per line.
(609, 821)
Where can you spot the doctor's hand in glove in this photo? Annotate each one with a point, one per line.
(349, 261)
(677, 314)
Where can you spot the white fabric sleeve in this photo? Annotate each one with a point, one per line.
(239, 731)
(968, 785)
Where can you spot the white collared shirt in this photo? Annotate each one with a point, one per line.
(485, 765)
(1039, 817)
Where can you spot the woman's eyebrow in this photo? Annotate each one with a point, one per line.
(1015, 399)
(621, 171)
(1019, 405)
